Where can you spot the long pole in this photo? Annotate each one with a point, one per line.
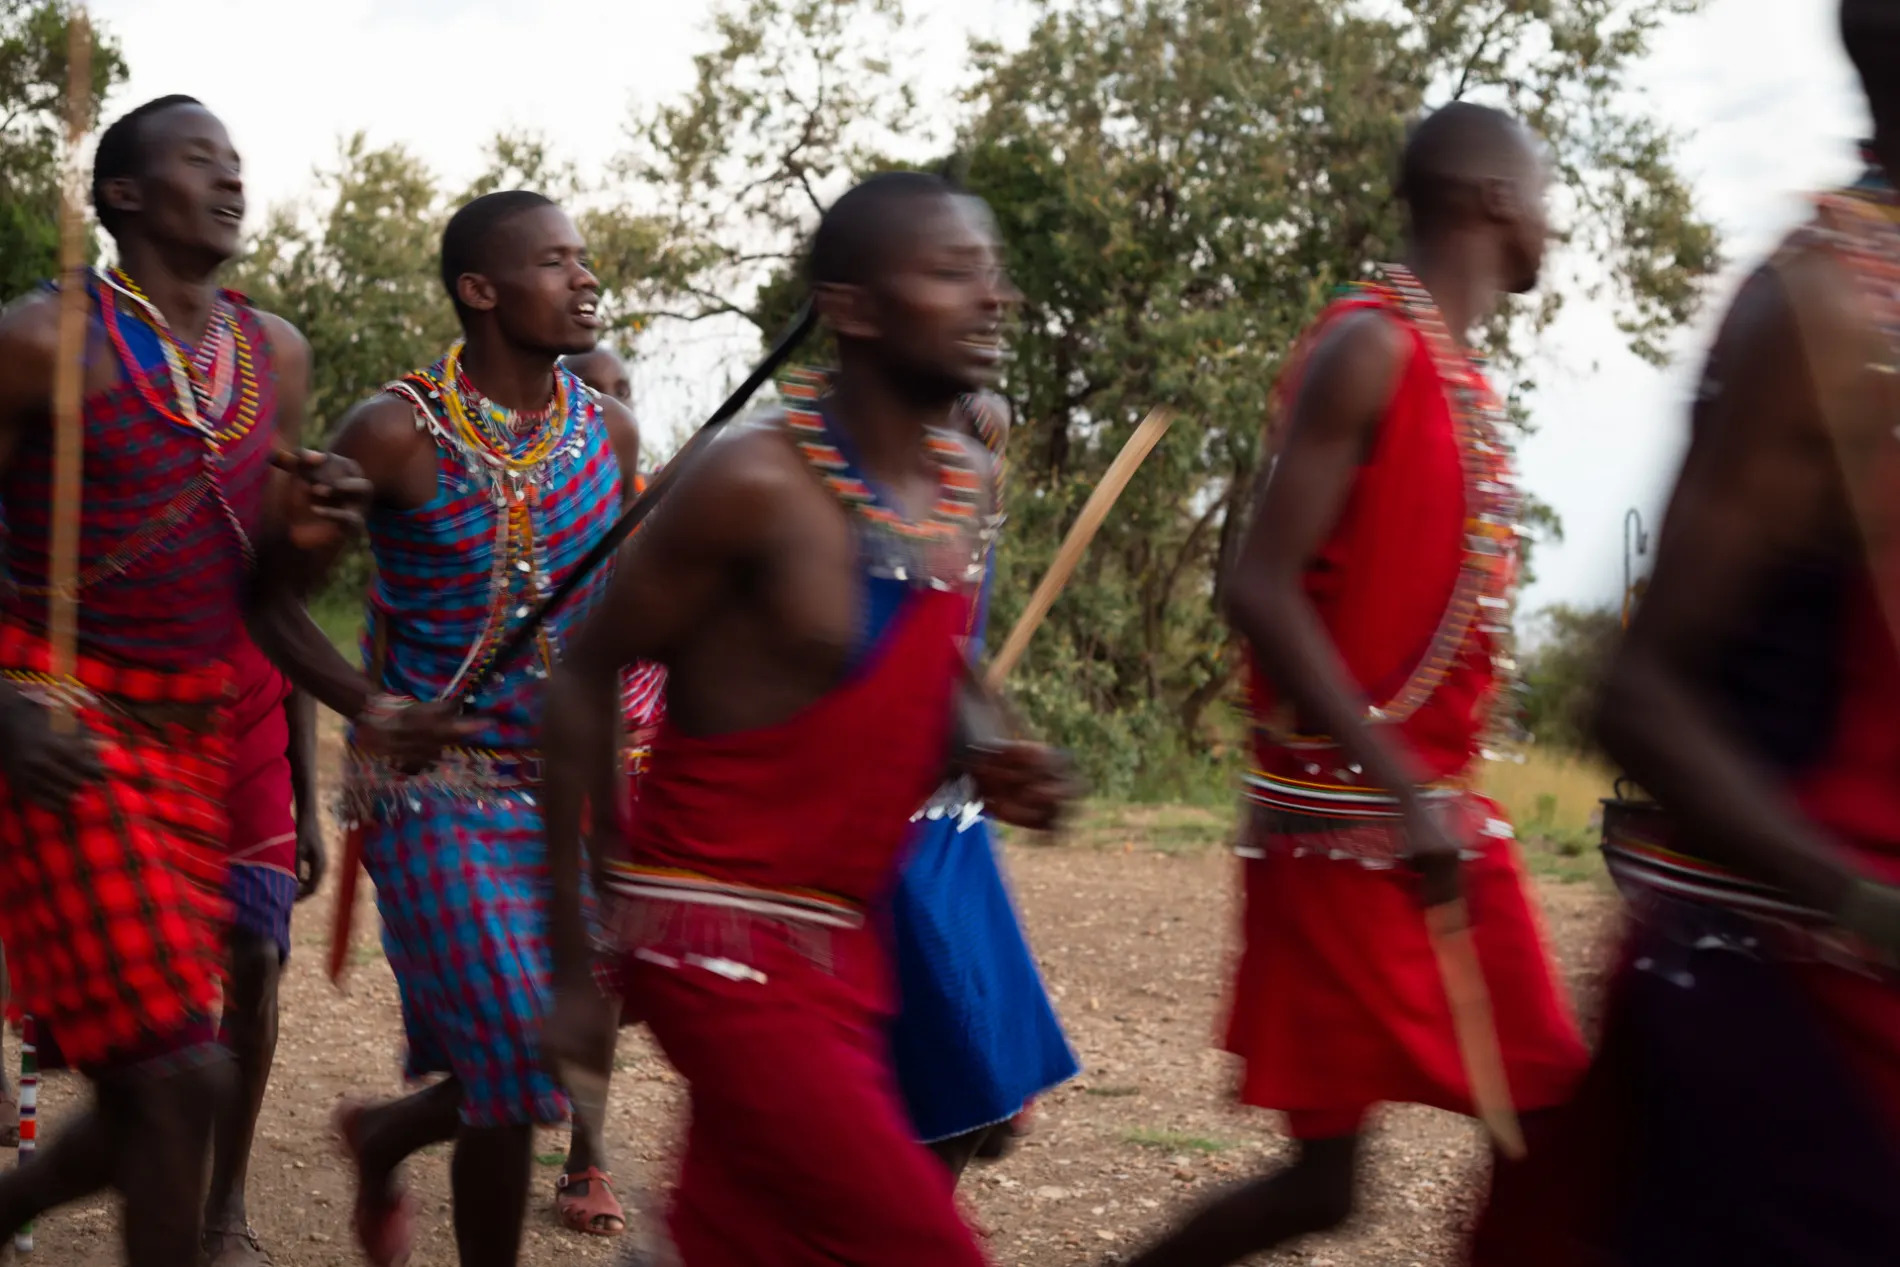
(1094, 511)
(69, 375)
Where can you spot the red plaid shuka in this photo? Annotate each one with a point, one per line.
(111, 911)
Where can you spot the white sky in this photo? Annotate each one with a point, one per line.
(1758, 89)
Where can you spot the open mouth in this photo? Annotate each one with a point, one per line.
(588, 313)
(233, 216)
(987, 346)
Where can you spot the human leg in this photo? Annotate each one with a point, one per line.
(1313, 1194)
(250, 1031)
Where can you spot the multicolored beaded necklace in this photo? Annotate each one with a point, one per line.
(943, 550)
(518, 465)
(201, 382)
(1484, 594)
(220, 378)
(1862, 226)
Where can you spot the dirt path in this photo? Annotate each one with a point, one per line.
(1131, 920)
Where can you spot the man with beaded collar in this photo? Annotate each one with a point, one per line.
(1374, 591)
(808, 585)
(113, 831)
(494, 471)
(1744, 1103)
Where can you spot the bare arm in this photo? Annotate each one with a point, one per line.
(1760, 481)
(300, 713)
(45, 766)
(1347, 386)
(276, 616)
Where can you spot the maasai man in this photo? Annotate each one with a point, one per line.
(112, 838)
(604, 371)
(494, 471)
(976, 1037)
(1374, 590)
(808, 586)
(1744, 1106)
(276, 860)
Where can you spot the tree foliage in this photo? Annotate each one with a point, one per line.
(1563, 674)
(1180, 184)
(33, 73)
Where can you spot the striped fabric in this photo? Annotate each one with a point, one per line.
(461, 871)
(162, 569)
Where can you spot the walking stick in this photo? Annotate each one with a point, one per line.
(343, 915)
(69, 378)
(1449, 924)
(69, 375)
(1094, 511)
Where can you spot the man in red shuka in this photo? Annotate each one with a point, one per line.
(1374, 590)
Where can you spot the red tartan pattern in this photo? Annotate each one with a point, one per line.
(148, 506)
(112, 911)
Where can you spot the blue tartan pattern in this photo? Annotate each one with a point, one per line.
(463, 893)
(461, 880)
(261, 900)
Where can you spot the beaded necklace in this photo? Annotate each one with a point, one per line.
(201, 383)
(1482, 597)
(1485, 592)
(946, 548)
(1859, 225)
(520, 575)
(195, 391)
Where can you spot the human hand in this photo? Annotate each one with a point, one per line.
(1023, 784)
(328, 500)
(1431, 849)
(409, 734)
(43, 764)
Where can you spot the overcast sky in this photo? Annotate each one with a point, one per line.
(1758, 89)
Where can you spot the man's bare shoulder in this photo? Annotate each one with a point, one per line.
(754, 459)
(385, 423)
(287, 343)
(30, 325)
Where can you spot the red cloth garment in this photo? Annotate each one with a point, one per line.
(1338, 1004)
(822, 800)
(111, 912)
(263, 827)
(262, 885)
(1383, 578)
(799, 1152)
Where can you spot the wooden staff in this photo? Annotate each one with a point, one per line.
(1450, 926)
(69, 377)
(1094, 511)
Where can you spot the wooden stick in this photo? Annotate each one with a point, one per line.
(1450, 927)
(1094, 511)
(69, 375)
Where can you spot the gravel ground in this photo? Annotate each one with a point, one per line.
(1131, 917)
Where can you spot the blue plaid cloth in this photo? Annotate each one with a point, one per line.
(261, 900)
(462, 887)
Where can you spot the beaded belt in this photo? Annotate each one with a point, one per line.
(465, 773)
(48, 692)
(1676, 891)
(799, 906)
(1333, 819)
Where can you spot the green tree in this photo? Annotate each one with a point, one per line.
(1563, 672)
(33, 72)
(1181, 185)
(355, 268)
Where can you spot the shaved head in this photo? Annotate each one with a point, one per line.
(603, 371)
(1478, 174)
(1457, 148)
